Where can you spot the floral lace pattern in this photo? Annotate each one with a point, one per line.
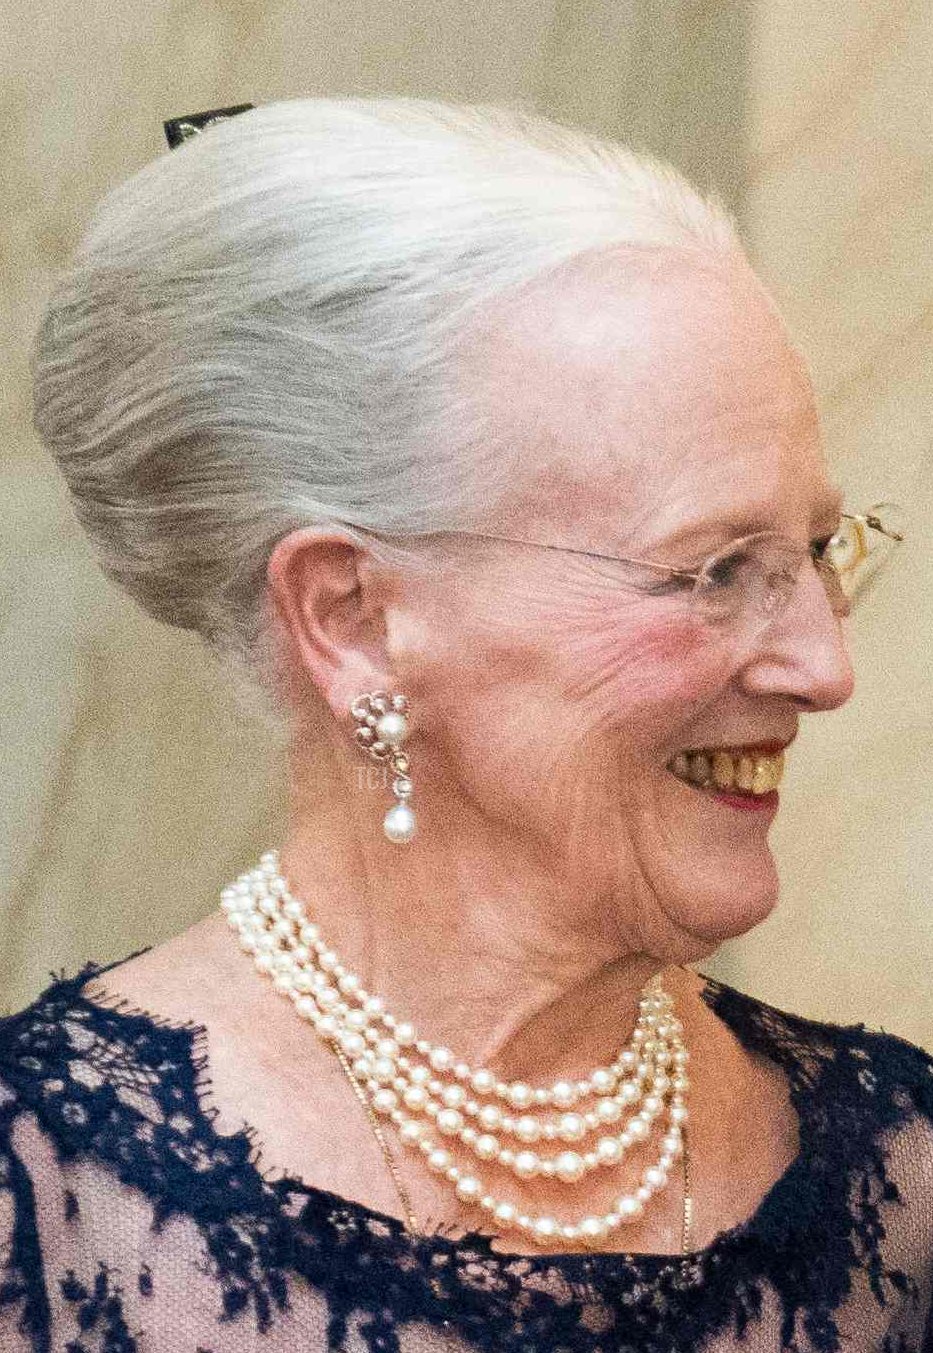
(122, 1093)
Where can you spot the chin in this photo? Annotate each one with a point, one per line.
(722, 898)
(732, 913)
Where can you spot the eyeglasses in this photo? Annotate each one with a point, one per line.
(749, 582)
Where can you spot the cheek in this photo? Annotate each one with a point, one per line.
(642, 677)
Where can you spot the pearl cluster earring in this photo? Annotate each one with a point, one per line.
(381, 728)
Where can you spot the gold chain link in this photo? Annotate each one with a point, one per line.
(380, 1138)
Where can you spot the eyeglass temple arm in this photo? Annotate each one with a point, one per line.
(588, 554)
(877, 524)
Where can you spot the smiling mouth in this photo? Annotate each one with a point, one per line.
(735, 771)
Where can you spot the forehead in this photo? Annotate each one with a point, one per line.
(641, 388)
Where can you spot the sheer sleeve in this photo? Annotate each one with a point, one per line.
(24, 1307)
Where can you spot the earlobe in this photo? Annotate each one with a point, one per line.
(334, 628)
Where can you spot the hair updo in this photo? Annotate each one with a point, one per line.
(258, 331)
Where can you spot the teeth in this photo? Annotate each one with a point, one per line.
(723, 770)
(763, 775)
(745, 773)
(749, 774)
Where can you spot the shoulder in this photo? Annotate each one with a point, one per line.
(74, 1065)
(864, 1099)
(853, 1059)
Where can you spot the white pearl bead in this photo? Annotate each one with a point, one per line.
(399, 823)
(678, 1113)
(454, 1095)
(544, 1228)
(469, 1189)
(592, 1228)
(439, 1161)
(441, 1058)
(569, 1166)
(505, 1213)
(415, 1097)
(564, 1094)
(392, 728)
(638, 1130)
(449, 1121)
(404, 1035)
(490, 1117)
(482, 1081)
(571, 1127)
(601, 1082)
(486, 1146)
(629, 1208)
(384, 1101)
(527, 1128)
(609, 1150)
(608, 1111)
(672, 1144)
(520, 1096)
(410, 1132)
(526, 1164)
(655, 1177)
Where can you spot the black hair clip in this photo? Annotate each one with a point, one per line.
(178, 129)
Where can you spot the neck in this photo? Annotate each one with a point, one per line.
(465, 933)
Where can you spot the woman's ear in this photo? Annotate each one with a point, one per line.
(329, 609)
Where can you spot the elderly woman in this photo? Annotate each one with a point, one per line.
(479, 444)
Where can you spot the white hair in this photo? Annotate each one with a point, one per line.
(258, 331)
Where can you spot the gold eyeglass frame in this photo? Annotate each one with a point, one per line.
(866, 521)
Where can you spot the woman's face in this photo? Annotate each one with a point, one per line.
(656, 409)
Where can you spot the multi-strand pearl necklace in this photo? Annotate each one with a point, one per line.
(437, 1102)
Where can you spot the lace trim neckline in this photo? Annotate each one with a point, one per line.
(725, 1002)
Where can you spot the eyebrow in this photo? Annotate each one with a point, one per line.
(749, 520)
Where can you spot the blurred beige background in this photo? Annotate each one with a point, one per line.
(133, 782)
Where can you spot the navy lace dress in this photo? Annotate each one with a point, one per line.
(127, 1222)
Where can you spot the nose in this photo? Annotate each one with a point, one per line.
(803, 654)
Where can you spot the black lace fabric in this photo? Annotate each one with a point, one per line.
(129, 1224)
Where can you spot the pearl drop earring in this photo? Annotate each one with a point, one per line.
(381, 730)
